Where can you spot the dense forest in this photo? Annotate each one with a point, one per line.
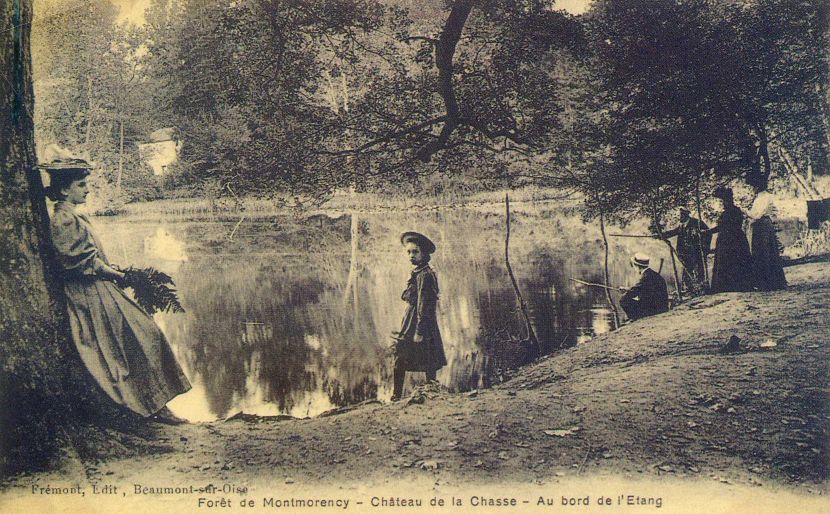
(633, 104)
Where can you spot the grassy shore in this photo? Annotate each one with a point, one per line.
(341, 201)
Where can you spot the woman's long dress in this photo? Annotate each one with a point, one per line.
(120, 344)
(421, 295)
(732, 270)
(767, 266)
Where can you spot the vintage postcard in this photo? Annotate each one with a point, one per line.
(529, 256)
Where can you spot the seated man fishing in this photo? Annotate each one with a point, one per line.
(649, 296)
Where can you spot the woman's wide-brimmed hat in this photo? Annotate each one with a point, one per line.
(61, 162)
(640, 260)
(423, 242)
(66, 167)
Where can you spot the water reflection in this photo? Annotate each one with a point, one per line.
(295, 317)
(165, 249)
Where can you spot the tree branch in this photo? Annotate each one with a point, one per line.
(428, 39)
(389, 136)
(444, 52)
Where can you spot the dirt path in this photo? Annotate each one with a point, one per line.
(652, 401)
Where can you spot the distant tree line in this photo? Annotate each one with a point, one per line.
(634, 104)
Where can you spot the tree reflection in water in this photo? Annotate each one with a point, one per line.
(296, 317)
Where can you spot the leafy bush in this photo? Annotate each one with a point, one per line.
(106, 199)
(811, 242)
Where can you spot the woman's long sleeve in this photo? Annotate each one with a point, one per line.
(427, 299)
(76, 250)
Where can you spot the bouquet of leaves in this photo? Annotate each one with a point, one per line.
(154, 291)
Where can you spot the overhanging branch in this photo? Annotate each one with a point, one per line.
(444, 52)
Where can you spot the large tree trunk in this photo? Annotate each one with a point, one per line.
(33, 350)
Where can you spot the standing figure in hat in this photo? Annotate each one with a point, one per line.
(418, 346)
(649, 296)
(693, 241)
(732, 270)
(119, 343)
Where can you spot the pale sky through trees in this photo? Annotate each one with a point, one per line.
(133, 10)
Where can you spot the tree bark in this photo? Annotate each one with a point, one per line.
(33, 354)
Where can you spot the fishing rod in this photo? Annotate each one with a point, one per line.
(647, 236)
(599, 285)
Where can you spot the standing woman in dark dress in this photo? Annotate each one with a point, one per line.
(732, 270)
(419, 346)
(119, 343)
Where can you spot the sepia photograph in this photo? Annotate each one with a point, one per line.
(507, 256)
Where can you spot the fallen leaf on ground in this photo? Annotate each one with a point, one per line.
(562, 432)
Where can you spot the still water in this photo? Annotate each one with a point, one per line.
(288, 315)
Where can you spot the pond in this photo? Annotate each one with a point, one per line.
(289, 315)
